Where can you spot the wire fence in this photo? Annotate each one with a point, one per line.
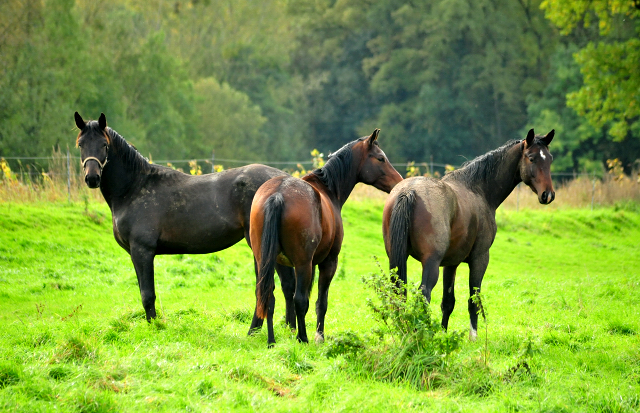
(429, 167)
(62, 173)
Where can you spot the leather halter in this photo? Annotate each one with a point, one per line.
(93, 158)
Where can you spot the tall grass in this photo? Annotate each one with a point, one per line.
(60, 179)
(55, 182)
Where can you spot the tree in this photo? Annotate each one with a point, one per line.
(610, 95)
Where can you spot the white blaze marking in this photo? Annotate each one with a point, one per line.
(542, 156)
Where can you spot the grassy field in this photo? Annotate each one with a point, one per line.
(561, 290)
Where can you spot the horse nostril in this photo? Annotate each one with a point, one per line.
(543, 197)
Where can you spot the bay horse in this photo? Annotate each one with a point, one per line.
(449, 221)
(298, 223)
(158, 210)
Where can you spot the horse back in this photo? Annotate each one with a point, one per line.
(178, 213)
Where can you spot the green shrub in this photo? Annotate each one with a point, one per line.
(412, 346)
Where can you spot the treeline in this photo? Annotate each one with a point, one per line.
(272, 79)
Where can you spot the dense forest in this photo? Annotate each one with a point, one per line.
(272, 79)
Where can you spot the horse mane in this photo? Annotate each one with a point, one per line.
(130, 156)
(334, 173)
(483, 167)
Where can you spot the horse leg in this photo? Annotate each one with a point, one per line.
(448, 295)
(288, 284)
(477, 268)
(430, 274)
(256, 323)
(271, 339)
(327, 271)
(142, 258)
(304, 278)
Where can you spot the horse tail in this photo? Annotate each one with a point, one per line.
(269, 251)
(401, 216)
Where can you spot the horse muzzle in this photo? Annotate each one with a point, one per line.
(92, 174)
(92, 180)
(547, 197)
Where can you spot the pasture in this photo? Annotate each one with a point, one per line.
(561, 292)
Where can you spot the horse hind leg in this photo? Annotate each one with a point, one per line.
(304, 278)
(448, 294)
(288, 284)
(327, 271)
(256, 322)
(430, 274)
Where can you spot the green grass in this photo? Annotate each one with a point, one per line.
(564, 285)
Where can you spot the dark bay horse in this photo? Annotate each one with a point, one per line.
(157, 210)
(449, 221)
(298, 223)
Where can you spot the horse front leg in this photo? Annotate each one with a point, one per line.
(142, 258)
(477, 268)
(448, 293)
(327, 271)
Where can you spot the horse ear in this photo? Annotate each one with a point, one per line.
(548, 137)
(80, 123)
(102, 121)
(530, 137)
(374, 136)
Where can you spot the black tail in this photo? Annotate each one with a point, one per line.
(399, 224)
(269, 251)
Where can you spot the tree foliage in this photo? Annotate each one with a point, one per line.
(447, 79)
(610, 94)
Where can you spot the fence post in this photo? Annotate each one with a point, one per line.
(593, 190)
(68, 176)
(213, 158)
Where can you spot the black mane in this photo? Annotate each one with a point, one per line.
(482, 168)
(335, 172)
(130, 156)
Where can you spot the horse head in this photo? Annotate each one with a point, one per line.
(374, 168)
(93, 141)
(535, 166)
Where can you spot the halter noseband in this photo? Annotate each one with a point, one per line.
(93, 158)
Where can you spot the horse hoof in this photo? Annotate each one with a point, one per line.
(473, 335)
(319, 338)
(271, 345)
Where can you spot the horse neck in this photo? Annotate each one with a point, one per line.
(497, 186)
(507, 177)
(339, 197)
(118, 179)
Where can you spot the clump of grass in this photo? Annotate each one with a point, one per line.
(74, 349)
(297, 361)
(93, 402)
(240, 315)
(9, 374)
(59, 372)
(620, 328)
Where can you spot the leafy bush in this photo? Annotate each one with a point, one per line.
(411, 345)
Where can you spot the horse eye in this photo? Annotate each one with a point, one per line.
(381, 159)
(530, 158)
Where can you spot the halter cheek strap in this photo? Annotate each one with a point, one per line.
(92, 158)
